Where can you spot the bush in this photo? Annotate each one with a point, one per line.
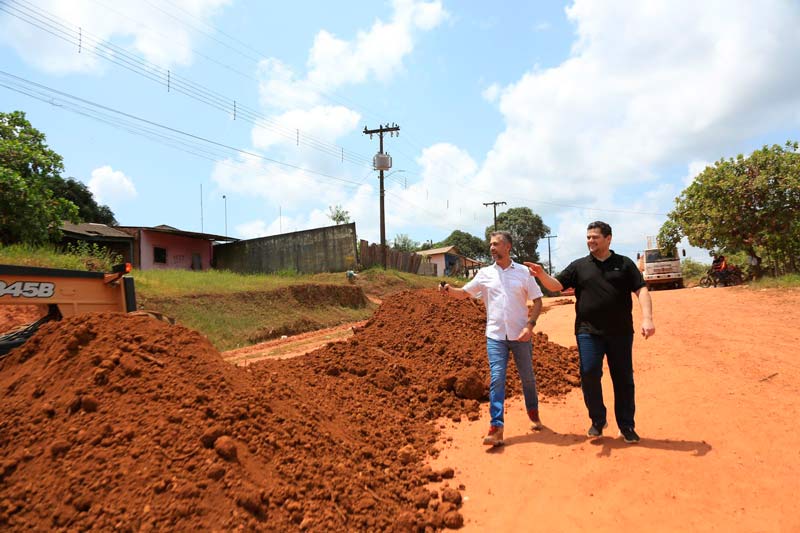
(94, 258)
(693, 270)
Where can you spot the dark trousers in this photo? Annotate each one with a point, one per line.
(619, 350)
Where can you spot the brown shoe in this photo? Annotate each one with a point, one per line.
(536, 422)
(494, 437)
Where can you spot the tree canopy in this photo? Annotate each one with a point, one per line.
(526, 228)
(744, 204)
(79, 194)
(404, 243)
(34, 198)
(468, 244)
(338, 214)
(30, 212)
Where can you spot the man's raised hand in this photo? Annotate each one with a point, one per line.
(536, 270)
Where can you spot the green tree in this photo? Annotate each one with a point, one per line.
(338, 215)
(744, 204)
(526, 228)
(30, 212)
(80, 195)
(468, 244)
(404, 243)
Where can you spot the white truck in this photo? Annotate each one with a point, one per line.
(660, 270)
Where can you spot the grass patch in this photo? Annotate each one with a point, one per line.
(788, 281)
(86, 257)
(187, 282)
(244, 318)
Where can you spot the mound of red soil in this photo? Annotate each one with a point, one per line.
(120, 422)
(13, 316)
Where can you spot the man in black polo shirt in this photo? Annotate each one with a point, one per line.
(603, 283)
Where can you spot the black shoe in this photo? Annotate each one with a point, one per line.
(629, 435)
(596, 431)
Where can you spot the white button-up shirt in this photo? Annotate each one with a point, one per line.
(505, 292)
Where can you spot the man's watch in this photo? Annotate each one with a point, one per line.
(532, 323)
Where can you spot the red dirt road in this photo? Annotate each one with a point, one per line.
(717, 409)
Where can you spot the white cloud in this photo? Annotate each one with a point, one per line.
(491, 93)
(253, 229)
(296, 103)
(111, 186)
(694, 170)
(129, 24)
(326, 122)
(333, 62)
(280, 88)
(283, 186)
(647, 83)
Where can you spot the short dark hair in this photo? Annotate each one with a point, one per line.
(504, 234)
(604, 228)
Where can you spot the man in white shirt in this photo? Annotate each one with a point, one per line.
(505, 287)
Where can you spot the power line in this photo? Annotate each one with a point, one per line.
(103, 49)
(77, 104)
(78, 37)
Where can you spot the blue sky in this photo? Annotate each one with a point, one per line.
(579, 110)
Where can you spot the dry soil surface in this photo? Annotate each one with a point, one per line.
(717, 410)
(120, 422)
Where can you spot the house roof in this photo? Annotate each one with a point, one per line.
(163, 228)
(93, 230)
(449, 250)
(436, 251)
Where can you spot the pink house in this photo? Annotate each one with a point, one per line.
(163, 247)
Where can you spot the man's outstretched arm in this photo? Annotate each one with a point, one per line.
(549, 282)
(454, 292)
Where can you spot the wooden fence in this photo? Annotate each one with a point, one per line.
(370, 255)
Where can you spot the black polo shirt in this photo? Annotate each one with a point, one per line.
(603, 291)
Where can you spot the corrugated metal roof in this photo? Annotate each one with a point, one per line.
(93, 229)
(163, 228)
(434, 251)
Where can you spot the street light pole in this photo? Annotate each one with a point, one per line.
(225, 199)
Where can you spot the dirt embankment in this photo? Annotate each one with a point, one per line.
(119, 422)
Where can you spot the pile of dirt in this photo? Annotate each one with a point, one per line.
(13, 316)
(121, 422)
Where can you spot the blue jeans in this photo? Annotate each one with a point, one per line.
(498, 363)
(619, 350)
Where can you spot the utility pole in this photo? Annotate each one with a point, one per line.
(494, 204)
(549, 260)
(382, 162)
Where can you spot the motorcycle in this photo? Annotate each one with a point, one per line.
(732, 275)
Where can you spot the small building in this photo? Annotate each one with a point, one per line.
(450, 262)
(165, 247)
(109, 237)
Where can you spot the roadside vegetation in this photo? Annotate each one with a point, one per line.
(83, 256)
(692, 271)
(789, 281)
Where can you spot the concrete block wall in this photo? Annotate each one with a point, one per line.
(329, 249)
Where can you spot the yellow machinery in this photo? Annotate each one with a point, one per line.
(66, 293)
